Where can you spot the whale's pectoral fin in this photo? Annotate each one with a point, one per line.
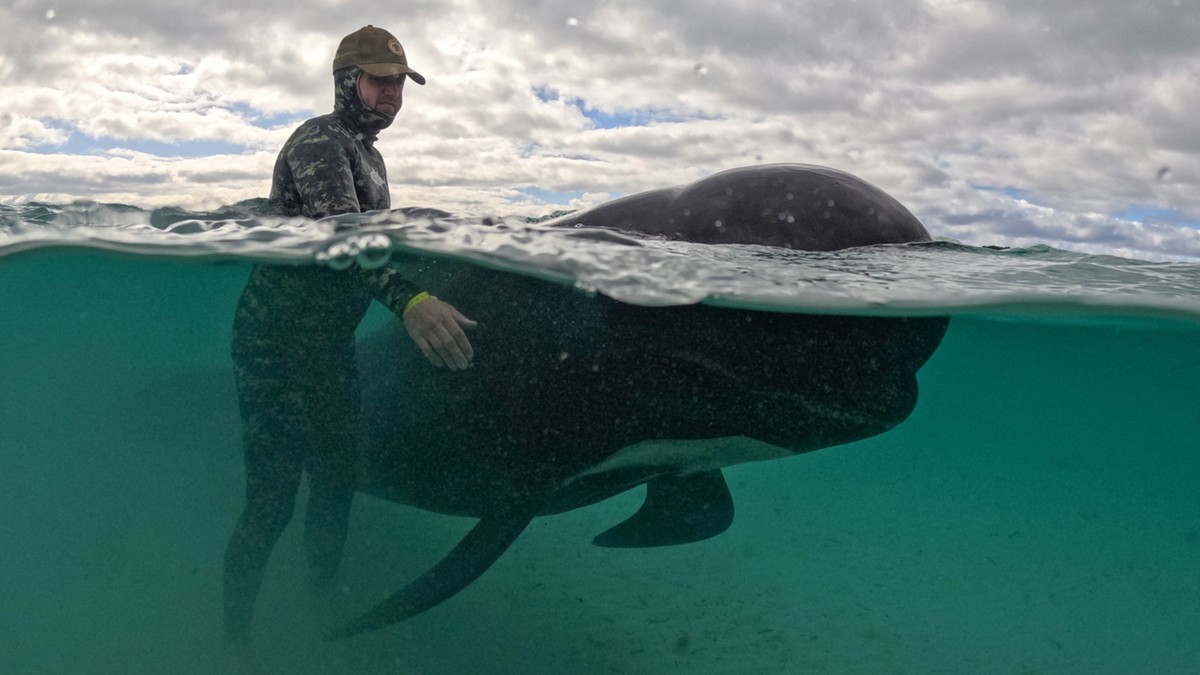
(482, 546)
(678, 509)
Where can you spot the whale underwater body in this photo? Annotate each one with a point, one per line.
(575, 398)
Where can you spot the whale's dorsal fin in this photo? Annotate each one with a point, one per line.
(679, 509)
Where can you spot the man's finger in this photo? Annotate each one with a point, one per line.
(453, 341)
(429, 352)
(464, 345)
(462, 320)
(454, 360)
(460, 339)
(449, 349)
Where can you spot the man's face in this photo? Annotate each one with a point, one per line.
(384, 95)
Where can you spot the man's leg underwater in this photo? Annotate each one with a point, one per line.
(331, 477)
(273, 428)
(331, 492)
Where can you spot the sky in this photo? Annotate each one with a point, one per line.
(1007, 122)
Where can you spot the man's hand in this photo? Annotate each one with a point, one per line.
(437, 328)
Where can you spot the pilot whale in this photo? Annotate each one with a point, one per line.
(577, 397)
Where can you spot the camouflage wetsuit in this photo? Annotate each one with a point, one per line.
(293, 349)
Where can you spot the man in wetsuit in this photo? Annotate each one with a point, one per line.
(293, 333)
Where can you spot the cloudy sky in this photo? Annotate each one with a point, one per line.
(1011, 122)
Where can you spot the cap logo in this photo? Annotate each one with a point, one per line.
(394, 47)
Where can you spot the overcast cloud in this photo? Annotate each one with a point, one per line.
(1010, 122)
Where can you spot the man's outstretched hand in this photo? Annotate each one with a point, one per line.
(437, 328)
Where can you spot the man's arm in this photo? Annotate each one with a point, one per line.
(322, 171)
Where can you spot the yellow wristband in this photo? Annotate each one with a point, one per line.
(416, 300)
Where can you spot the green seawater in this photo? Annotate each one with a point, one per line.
(1038, 513)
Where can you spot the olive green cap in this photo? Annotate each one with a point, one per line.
(377, 52)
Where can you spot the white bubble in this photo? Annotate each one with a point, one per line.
(700, 69)
(572, 22)
(50, 14)
(370, 258)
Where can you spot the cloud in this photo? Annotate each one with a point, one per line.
(1083, 108)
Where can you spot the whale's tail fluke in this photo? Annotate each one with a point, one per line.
(482, 546)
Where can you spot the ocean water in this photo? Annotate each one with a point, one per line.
(1038, 513)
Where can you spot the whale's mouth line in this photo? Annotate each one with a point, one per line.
(708, 364)
(745, 382)
(814, 407)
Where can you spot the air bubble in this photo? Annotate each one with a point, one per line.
(372, 258)
(339, 263)
(572, 22)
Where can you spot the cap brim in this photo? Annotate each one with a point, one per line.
(391, 70)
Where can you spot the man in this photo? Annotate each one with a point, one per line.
(293, 333)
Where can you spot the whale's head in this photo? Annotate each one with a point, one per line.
(799, 381)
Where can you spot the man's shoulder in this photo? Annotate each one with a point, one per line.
(320, 128)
